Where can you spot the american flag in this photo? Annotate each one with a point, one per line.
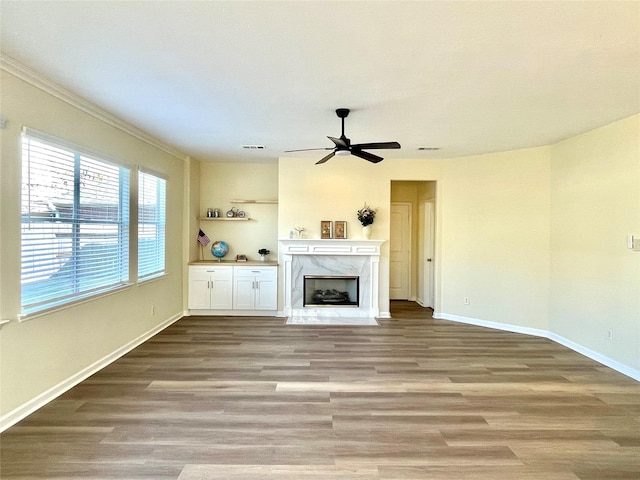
(203, 239)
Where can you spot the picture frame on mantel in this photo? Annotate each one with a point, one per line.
(341, 229)
(326, 229)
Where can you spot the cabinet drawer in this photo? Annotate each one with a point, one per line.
(221, 273)
(253, 271)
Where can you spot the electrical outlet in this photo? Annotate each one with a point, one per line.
(466, 301)
(609, 334)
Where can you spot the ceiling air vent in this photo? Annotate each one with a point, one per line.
(253, 147)
(428, 149)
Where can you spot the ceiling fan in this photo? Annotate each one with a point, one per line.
(343, 145)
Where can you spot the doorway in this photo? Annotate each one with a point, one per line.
(412, 241)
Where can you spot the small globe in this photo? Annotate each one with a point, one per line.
(219, 249)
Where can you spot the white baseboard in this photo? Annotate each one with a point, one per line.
(384, 315)
(598, 357)
(536, 332)
(45, 397)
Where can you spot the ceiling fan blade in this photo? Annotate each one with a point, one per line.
(322, 160)
(377, 145)
(340, 142)
(370, 157)
(308, 149)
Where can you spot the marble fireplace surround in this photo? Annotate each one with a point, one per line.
(331, 257)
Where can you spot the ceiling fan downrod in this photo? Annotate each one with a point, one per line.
(342, 113)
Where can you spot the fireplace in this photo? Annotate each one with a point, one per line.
(331, 291)
(328, 259)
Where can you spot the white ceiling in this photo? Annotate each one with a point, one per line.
(207, 77)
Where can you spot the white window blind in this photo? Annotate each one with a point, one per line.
(75, 224)
(152, 200)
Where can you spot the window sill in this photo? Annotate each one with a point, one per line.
(155, 278)
(23, 317)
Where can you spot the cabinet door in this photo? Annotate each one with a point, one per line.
(243, 293)
(221, 294)
(221, 287)
(266, 293)
(199, 289)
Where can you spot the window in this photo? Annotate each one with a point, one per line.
(75, 224)
(152, 199)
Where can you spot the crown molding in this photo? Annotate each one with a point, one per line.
(23, 72)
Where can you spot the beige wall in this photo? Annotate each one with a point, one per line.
(223, 182)
(40, 353)
(595, 278)
(191, 209)
(495, 237)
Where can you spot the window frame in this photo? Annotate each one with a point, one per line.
(161, 224)
(123, 224)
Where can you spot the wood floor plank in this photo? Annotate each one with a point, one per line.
(278, 472)
(474, 472)
(413, 398)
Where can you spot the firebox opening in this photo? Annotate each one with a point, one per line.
(331, 291)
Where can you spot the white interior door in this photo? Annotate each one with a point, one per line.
(429, 250)
(400, 254)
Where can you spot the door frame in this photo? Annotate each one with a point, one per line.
(428, 254)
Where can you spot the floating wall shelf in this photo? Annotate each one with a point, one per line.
(255, 201)
(226, 219)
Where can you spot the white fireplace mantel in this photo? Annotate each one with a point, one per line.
(330, 256)
(307, 246)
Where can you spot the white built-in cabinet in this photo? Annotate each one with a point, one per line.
(210, 288)
(255, 288)
(229, 289)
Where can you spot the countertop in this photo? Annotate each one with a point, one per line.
(233, 263)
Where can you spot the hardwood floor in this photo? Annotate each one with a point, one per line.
(415, 398)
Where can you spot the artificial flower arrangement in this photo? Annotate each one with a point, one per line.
(366, 215)
(263, 252)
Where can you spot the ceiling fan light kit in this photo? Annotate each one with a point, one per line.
(343, 146)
